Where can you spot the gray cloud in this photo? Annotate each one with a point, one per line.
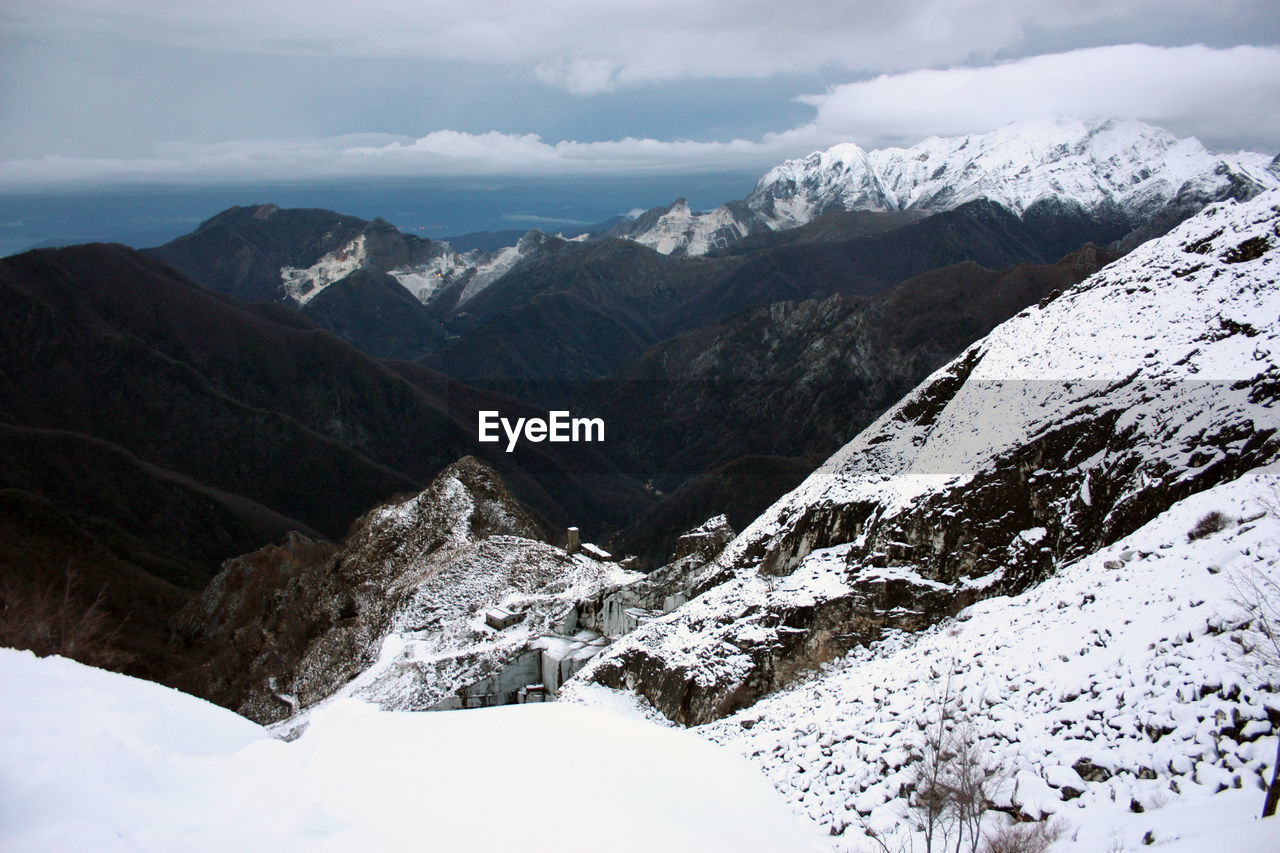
(1224, 97)
(159, 92)
(590, 47)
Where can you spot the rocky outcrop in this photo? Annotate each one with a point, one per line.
(291, 623)
(622, 611)
(803, 377)
(1065, 429)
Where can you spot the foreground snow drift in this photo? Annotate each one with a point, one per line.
(91, 760)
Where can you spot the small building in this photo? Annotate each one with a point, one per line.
(596, 553)
(500, 617)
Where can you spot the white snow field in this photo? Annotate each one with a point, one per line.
(91, 760)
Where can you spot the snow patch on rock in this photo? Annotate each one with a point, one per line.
(303, 285)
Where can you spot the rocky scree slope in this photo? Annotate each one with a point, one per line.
(1066, 428)
(1114, 699)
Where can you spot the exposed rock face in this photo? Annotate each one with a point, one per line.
(676, 230)
(1068, 427)
(798, 378)
(621, 611)
(706, 540)
(292, 623)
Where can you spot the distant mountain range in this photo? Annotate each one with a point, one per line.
(1126, 173)
(728, 355)
(1029, 192)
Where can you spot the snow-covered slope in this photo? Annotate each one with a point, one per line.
(90, 760)
(677, 230)
(1125, 171)
(1117, 681)
(1069, 426)
(1019, 526)
(439, 643)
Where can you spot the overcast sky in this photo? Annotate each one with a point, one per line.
(96, 92)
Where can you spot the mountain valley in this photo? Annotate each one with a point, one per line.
(962, 452)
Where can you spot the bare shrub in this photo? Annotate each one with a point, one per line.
(930, 802)
(1209, 523)
(1022, 838)
(954, 780)
(54, 619)
(971, 780)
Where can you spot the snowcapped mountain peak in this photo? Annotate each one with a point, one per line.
(678, 230)
(1090, 163)
(844, 176)
(1121, 170)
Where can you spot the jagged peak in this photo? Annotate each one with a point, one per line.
(467, 498)
(1127, 165)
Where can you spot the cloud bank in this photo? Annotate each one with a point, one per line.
(589, 47)
(1216, 95)
(1220, 95)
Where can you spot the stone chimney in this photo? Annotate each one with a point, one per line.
(573, 541)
